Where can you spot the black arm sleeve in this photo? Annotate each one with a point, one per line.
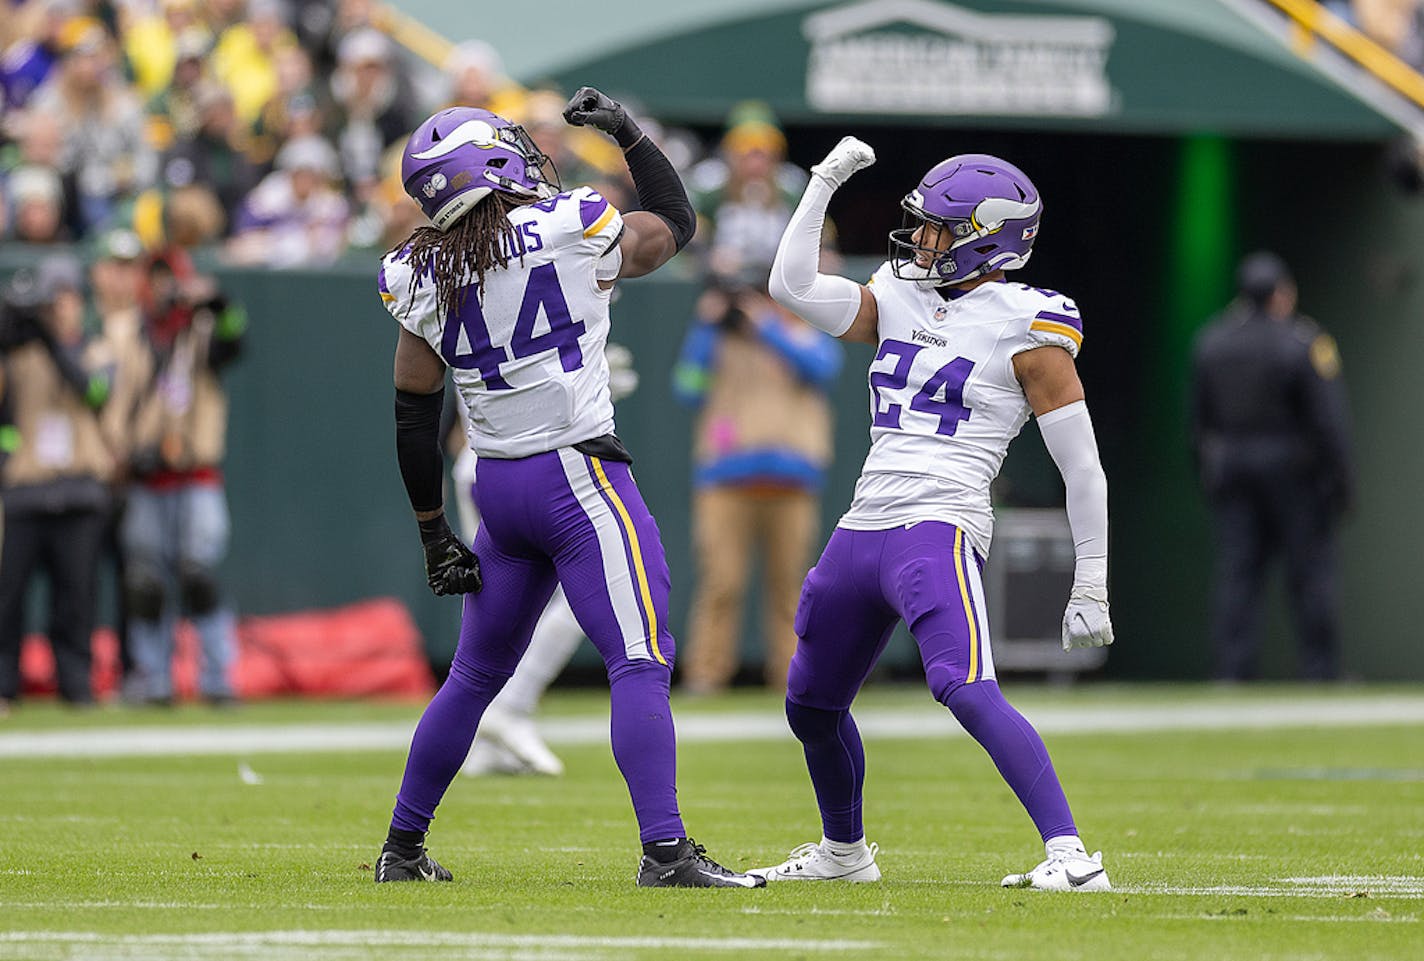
(660, 190)
(418, 448)
(449, 418)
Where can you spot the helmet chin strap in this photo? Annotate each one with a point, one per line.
(543, 192)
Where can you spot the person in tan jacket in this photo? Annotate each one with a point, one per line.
(54, 472)
(763, 441)
(176, 525)
(118, 346)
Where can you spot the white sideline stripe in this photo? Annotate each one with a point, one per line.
(1257, 891)
(1323, 886)
(428, 939)
(909, 723)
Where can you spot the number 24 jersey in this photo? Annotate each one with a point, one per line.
(526, 347)
(944, 400)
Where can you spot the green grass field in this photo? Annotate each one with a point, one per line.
(1297, 833)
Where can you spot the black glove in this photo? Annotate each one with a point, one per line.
(450, 566)
(593, 108)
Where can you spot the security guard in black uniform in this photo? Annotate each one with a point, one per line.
(1271, 437)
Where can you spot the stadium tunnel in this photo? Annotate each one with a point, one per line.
(1168, 139)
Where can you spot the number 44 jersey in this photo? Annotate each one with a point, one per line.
(525, 348)
(944, 401)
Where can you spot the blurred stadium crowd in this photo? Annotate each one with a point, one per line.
(272, 127)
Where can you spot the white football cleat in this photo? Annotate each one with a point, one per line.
(519, 736)
(487, 758)
(1064, 872)
(812, 862)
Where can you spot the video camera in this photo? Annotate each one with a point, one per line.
(22, 305)
(740, 293)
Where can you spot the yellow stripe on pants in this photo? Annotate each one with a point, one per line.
(644, 591)
(959, 563)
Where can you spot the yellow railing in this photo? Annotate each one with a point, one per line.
(414, 36)
(1389, 69)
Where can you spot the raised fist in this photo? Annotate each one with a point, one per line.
(591, 107)
(845, 158)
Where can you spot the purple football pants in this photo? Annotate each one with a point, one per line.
(560, 517)
(864, 583)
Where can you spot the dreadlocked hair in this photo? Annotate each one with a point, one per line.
(478, 242)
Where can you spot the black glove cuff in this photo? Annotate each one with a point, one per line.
(434, 529)
(628, 132)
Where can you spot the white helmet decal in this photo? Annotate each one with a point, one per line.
(991, 212)
(477, 132)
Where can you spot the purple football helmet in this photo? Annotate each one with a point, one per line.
(988, 206)
(458, 156)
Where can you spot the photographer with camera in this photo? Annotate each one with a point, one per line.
(54, 471)
(176, 526)
(762, 443)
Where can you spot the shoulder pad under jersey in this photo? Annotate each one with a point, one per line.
(409, 298)
(1052, 320)
(581, 217)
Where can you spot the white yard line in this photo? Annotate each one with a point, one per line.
(883, 723)
(326, 944)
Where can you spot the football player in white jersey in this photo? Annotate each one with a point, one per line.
(964, 357)
(509, 289)
(509, 741)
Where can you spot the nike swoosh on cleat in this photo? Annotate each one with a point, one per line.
(833, 877)
(1077, 880)
(745, 882)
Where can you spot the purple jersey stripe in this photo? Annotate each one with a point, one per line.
(381, 282)
(1075, 322)
(590, 210)
(627, 549)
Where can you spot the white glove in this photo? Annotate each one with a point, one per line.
(845, 158)
(1086, 622)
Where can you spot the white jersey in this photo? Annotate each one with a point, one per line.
(526, 348)
(944, 401)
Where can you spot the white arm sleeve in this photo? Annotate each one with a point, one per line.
(823, 301)
(1068, 435)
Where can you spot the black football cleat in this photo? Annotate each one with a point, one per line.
(691, 868)
(393, 867)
